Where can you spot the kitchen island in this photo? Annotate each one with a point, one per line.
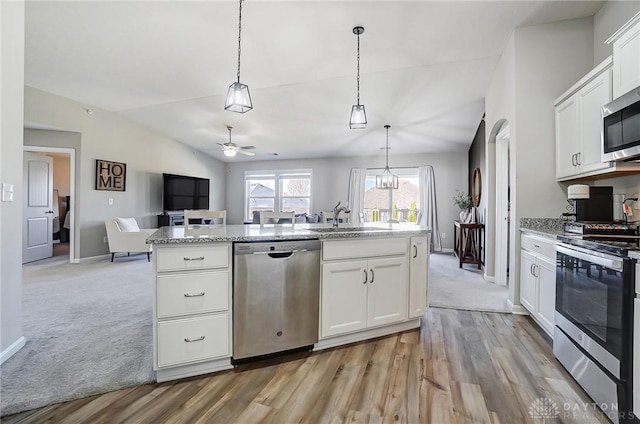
(373, 282)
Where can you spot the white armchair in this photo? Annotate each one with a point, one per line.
(124, 235)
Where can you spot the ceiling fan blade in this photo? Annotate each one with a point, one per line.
(220, 144)
(246, 153)
(246, 147)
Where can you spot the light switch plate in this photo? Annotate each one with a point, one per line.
(7, 192)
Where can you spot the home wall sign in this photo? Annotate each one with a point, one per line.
(110, 176)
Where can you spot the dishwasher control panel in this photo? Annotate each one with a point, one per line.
(280, 246)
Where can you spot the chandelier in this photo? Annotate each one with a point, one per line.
(387, 180)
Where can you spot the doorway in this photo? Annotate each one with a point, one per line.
(503, 206)
(61, 233)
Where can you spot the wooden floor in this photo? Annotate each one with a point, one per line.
(460, 367)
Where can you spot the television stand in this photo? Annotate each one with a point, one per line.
(171, 218)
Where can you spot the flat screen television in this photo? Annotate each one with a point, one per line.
(181, 192)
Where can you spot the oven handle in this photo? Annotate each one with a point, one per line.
(608, 262)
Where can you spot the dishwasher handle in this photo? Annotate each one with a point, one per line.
(281, 255)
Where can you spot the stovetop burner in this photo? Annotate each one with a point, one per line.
(592, 227)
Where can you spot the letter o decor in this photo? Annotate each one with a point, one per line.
(476, 187)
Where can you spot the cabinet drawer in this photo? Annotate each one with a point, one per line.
(192, 257)
(364, 248)
(193, 339)
(539, 245)
(191, 293)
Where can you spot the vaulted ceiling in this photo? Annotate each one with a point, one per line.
(425, 68)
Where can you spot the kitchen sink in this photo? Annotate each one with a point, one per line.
(346, 229)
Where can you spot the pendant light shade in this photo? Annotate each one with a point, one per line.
(229, 152)
(238, 97)
(387, 180)
(358, 118)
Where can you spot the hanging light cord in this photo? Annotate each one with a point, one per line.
(358, 73)
(239, 37)
(387, 149)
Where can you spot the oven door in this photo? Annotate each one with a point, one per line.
(594, 299)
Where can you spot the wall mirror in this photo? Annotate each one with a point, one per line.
(476, 187)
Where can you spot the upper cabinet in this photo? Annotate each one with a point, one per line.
(626, 57)
(578, 123)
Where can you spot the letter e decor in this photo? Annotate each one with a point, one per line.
(110, 175)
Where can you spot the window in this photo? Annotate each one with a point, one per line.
(402, 205)
(280, 191)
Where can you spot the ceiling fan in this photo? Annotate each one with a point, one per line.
(230, 149)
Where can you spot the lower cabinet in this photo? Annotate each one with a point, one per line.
(418, 276)
(363, 294)
(538, 280)
(191, 310)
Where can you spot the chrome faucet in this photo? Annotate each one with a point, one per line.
(336, 213)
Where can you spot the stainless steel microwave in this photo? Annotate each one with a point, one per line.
(621, 128)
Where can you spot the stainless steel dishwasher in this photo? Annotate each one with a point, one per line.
(276, 296)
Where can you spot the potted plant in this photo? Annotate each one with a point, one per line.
(463, 201)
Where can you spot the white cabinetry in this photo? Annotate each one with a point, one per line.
(626, 57)
(418, 275)
(538, 279)
(364, 285)
(191, 310)
(578, 125)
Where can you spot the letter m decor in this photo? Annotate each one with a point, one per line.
(110, 175)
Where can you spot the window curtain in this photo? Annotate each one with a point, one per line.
(429, 213)
(357, 180)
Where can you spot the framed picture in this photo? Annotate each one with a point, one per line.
(110, 176)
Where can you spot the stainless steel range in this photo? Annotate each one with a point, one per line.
(593, 337)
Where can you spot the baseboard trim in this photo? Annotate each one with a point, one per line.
(11, 350)
(490, 278)
(446, 250)
(365, 335)
(517, 309)
(92, 258)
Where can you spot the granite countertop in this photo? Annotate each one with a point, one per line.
(225, 233)
(546, 227)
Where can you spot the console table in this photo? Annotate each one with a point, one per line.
(467, 242)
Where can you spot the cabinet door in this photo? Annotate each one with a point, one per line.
(546, 272)
(626, 61)
(344, 297)
(387, 291)
(418, 276)
(528, 292)
(591, 98)
(567, 137)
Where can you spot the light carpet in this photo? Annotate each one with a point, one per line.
(88, 330)
(463, 288)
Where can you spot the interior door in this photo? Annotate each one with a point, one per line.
(37, 226)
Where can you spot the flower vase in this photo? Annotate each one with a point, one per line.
(463, 216)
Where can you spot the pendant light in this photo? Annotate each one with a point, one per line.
(358, 116)
(238, 97)
(387, 180)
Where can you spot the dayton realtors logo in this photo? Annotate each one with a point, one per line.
(544, 408)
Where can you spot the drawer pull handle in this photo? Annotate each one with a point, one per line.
(366, 277)
(200, 258)
(536, 245)
(188, 340)
(194, 295)
(373, 277)
(415, 252)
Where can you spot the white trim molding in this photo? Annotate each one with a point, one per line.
(11, 350)
(517, 309)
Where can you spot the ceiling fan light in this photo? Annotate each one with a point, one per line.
(238, 98)
(229, 152)
(358, 117)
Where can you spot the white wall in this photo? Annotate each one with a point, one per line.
(108, 136)
(538, 64)
(331, 179)
(606, 22)
(11, 101)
